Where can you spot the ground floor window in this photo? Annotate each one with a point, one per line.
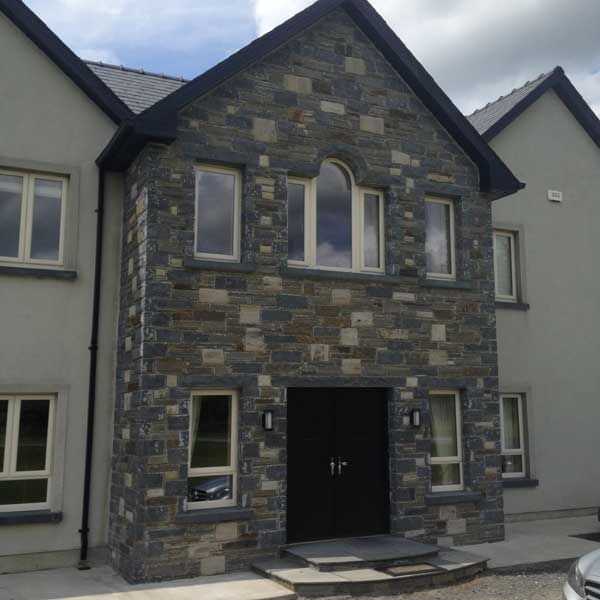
(513, 445)
(26, 430)
(446, 441)
(212, 477)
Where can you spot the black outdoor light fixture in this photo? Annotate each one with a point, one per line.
(415, 417)
(267, 420)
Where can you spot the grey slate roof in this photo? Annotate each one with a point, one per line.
(485, 118)
(138, 89)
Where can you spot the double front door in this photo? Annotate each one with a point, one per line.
(337, 463)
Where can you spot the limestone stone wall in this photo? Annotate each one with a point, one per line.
(262, 327)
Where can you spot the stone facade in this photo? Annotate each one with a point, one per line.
(261, 327)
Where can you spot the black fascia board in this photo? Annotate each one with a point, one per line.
(569, 95)
(69, 63)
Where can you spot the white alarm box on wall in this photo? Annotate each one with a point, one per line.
(555, 196)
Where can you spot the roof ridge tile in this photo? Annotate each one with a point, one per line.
(140, 71)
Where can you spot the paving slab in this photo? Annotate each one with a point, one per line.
(363, 575)
(102, 583)
(531, 542)
(368, 549)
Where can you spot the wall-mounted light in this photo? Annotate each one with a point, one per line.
(415, 417)
(267, 420)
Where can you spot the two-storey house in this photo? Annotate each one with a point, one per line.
(306, 343)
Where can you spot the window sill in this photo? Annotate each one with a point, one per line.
(304, 273)
(38, 272)
(453, 284)
(29, 517)
(218, 265)
(519, 482)
(439, 498)
(512, 305)
(215, 515)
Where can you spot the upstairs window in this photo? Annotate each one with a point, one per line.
(26, 424)
(439, 238)
(333, 224)
(32, 215)
(505, 265)
(217, 227)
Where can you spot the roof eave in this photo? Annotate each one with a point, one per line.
(128, 141)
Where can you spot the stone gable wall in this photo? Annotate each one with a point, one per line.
(262, 327)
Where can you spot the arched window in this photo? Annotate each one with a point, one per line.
(333, 224)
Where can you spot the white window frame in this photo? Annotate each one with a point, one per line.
(513, 265)
(9, 467)
(358, 211)
(452, 205)
(26, 225)
(514, 451)
(237, 203)
(451, 460)
(231, 470)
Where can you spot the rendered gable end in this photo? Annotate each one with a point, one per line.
(550, 352)
(50, 126)
(41, 106)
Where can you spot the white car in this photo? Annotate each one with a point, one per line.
(583, 581)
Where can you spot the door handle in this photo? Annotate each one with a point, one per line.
(341, 463)
(332, 466)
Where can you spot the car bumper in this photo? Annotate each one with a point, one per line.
(569, 593)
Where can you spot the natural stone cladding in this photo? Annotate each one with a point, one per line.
(262, 327)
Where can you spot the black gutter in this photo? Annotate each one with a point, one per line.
(93, 348)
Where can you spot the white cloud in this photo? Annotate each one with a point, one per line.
(104, 55)
(478, 50)
(122, 28)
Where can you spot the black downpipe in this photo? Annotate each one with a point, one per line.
(89, 443)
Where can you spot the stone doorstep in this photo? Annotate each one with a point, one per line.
(447, 567)
(371, 552)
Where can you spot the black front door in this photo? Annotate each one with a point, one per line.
(337, 463)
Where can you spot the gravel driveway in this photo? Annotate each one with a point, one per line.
(542, 584)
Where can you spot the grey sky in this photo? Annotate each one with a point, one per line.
(477, 50)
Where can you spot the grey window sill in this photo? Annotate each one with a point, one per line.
(302, 273)
(453, 284)
(218, 265)
(215, 515)
(439, 498)
(38, 272)
(512, 305)
(523, 482)
(29, 517)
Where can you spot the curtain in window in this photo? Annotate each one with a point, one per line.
(11, 193)
(196, 412)
(443, 426)
(504, 277)
(512, 434)
(438, 238)
(371, 231)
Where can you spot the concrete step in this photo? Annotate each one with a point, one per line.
(448, 566)
(373, 552)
